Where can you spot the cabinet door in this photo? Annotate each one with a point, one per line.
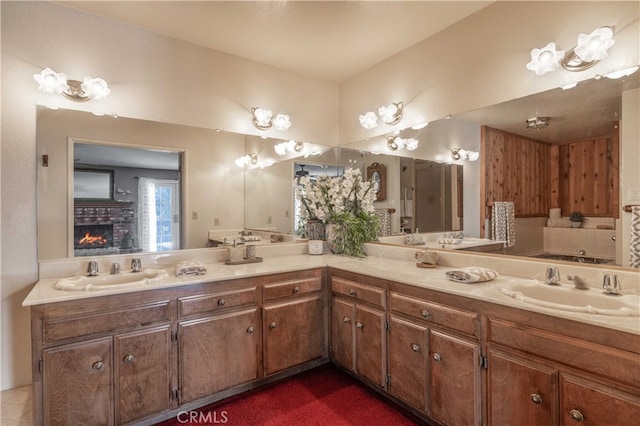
(408, 362)
(217, 353)
(521, 392)
(77, 383)
(455, 380)
(342, 335)
(143, 373)
(371, 344)
(588, 403)
(294, 333)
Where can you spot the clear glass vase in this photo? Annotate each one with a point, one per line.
(314, 229)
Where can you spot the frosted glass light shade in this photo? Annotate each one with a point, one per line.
(593, 47)
(282, 122)
(369, 120)
(95, 88)
(545, 59)
(51, 82)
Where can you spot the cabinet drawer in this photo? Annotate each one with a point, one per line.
(452, 318)
(106, 322)
(291, 288)
(373, 295)
(215, 301)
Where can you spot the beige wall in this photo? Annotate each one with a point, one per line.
(629, 170)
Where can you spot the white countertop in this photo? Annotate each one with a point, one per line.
(394, 264)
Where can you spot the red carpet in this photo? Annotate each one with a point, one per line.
(324, 396)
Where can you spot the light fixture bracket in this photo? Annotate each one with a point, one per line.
(75, 92)
(572, 62)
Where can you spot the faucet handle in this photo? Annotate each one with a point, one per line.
(92, 269)
(552, 275)
(115, 268)
(136, 265)
(611, 284)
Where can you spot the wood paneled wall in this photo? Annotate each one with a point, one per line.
(581, 175)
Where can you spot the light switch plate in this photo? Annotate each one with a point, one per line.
(634, 195)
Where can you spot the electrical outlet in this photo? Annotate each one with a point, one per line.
(194, 214)
(286, 213)
(634, 195)
(216, 221)
(269, 220)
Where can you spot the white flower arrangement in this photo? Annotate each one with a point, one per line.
(344, 201)
(328, 197)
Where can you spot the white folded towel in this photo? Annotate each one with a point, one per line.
(555, 213)
(472, 274)
(190, 268)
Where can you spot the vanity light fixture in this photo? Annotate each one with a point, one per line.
(89, 89)
(290, 146)
(463, 154)
(538, 122)
(246, 160)
(395, 143)
(390, 114)
(263, 119)
(591, 49)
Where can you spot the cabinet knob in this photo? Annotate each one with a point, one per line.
(415, 348)
(424, 313)
(273, 325)
(537, 399)
(359, 325)
(576, 415)
(352, 292)
(221, 302)
(250, 330)
(296, 289)
(128, 359)
(346, 320)
(437, 356)
(97, 365)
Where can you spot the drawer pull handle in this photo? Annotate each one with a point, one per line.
(359, 325)
(128, 359)
(576, 415)
(537, 399)
(346, 320)
(97, 365)
(415, 348)
(296, 289)
(352, 292)
(250, 330)
(273, 325)
(221, 302)
(437, 357)
(424, 313)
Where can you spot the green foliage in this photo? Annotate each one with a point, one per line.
(357, 228)
(576, 216)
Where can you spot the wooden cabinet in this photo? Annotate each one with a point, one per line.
(455, 379)
(143, 373)
(521, 391)
(218, 352)
(358, 330)
(293, 333)
(77, 383)
(408, 361)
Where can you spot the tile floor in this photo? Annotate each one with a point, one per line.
(16, 407)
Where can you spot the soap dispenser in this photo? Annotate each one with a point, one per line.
(236, 253)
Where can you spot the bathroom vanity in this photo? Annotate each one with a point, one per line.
(451, 353)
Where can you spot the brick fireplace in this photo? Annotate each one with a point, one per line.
(104, 227)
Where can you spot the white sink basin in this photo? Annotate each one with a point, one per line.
(568, 298)
(107, 281)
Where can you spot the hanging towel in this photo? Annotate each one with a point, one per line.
(385, 221)
(634, 245)
(503, 222)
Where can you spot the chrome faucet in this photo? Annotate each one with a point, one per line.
(92, 269)
(611, 285)
(580, 283)
(136, 264)
(115, 268)
(552, 276)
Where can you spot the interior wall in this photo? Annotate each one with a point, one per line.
(630, 172)
(483, 57)
(152, 77)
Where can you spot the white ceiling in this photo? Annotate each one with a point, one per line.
(333, 40)
(336, 40)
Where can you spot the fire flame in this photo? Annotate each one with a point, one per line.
(92, 239)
